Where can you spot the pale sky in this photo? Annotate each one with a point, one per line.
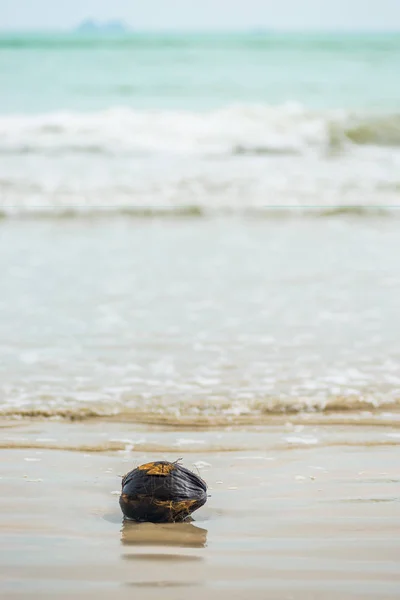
(205, 14)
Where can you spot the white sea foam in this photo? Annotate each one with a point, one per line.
(238, 159)
(241, 129)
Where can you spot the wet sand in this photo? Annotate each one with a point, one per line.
(286, 519)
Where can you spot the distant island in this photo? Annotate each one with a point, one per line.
(90, 26)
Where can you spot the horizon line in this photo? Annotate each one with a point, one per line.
(251, 29)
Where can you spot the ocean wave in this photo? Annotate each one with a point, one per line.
(256, 161)
(208, 413)
(195, 212)
(239, 130)
(375, 130)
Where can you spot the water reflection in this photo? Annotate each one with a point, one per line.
(184, 535)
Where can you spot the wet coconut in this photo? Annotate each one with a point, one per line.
(161, 492)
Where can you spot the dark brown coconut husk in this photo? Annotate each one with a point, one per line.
(161, 492)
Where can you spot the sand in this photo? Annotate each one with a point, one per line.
(283, 521)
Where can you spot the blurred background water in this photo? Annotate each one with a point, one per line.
(200, 225)
(210, 123)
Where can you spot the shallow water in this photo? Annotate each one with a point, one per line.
(200, 318)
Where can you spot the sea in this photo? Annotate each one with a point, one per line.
(200, 228)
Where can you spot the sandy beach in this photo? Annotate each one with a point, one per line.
(287, 519)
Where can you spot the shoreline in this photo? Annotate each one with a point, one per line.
(113, 436)
(383, 416)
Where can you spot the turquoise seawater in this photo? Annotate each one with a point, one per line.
(41, 73)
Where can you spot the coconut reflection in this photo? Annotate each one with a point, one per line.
(184, 535)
